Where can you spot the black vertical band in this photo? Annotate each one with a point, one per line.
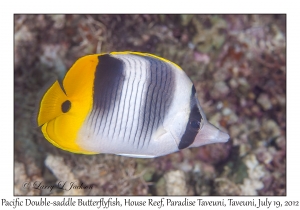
(191, 131)
(109, 78)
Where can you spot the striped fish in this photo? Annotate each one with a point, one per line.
(125, 103)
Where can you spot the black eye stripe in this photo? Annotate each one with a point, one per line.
(66, 106)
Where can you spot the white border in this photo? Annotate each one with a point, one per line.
(153, 6)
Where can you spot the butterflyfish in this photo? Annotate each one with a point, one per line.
(125, 103)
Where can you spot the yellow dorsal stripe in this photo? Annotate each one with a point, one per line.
(147, 54)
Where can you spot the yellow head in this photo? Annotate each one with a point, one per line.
(63, 109)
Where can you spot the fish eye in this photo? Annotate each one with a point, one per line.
(195, 124)
(66, 106)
